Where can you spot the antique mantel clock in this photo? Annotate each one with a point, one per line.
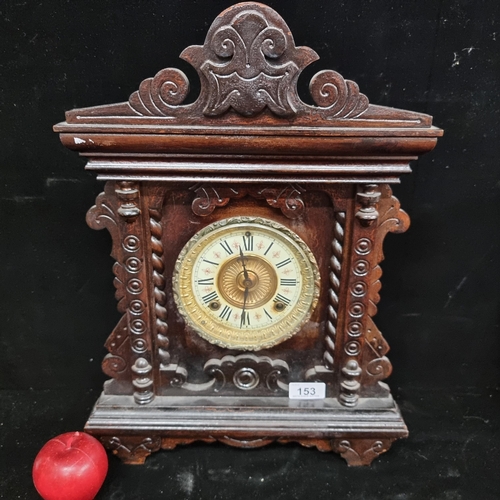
(247, 230)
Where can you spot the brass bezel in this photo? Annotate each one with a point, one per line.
(254, 339)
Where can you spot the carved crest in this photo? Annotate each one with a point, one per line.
(248, 68)
(249, 62)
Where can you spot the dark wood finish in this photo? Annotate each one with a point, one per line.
(248, 145)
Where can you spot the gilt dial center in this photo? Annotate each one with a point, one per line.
(257, 280)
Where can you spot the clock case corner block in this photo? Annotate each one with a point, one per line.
(247, 148)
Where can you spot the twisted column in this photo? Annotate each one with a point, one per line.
(333, 293)
(160, 298)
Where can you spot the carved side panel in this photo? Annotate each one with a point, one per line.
(363, 360)
(118, 210)
(394, 220)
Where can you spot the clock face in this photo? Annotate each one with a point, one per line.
(246, 283)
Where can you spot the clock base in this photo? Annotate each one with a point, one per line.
(133, 431)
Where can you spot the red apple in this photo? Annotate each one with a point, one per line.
(71, 466)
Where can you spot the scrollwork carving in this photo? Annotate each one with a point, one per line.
(161, 95)
(288, 199)
(361, 451)
(102, 215)
(208, 198)
(114, 364)
(391, 219)
(248, 371)
(132, 449)
(337, 97)
(379, 367)
(363, 343)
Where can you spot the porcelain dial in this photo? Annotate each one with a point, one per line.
(246, 283)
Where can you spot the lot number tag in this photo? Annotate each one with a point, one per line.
(307, 390)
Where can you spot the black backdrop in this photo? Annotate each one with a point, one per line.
(439, 308)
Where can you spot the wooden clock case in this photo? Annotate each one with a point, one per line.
(247, 147)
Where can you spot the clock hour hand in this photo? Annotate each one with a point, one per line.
(242, 258)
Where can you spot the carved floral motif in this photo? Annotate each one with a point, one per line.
(286, 198)
(250, 62)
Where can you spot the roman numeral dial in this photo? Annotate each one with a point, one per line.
(246, 283)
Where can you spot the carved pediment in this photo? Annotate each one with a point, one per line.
(249, 61)
(248, 68)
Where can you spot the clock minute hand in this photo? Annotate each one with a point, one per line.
(245, 297)
(247, 284)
